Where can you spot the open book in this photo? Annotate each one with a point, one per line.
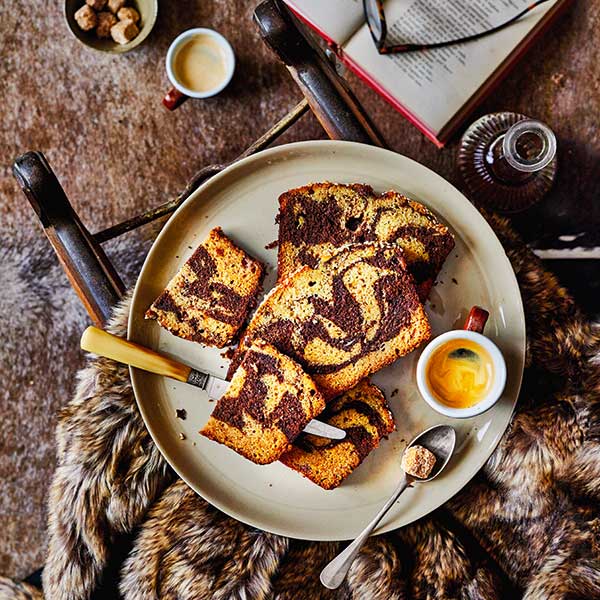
(435, 89)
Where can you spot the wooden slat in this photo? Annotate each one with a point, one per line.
(330, 99)
(88, 268)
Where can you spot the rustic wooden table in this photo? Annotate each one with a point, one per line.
(99, 120)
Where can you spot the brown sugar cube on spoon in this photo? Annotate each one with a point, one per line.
(418, 462)
(105, 21)
(268, 403)
(128, 14)
(86, 18)
(124, 31)
(210, 297)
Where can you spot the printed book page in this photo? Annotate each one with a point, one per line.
(433, 85)
(335, 19)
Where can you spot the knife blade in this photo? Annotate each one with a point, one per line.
(216, 387)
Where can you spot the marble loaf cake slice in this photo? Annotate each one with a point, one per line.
(351, 315)
(364, 414)
(317, 218)
(210, 297)
(268, 403)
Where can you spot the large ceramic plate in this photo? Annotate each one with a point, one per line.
(243, 201)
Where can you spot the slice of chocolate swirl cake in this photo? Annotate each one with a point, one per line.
(351, 315)
(268, 403)
(364, 414)
(317, 218)
(208, 300)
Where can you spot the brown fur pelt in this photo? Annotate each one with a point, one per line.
(526, 526)
(13, 590)
(109, 472)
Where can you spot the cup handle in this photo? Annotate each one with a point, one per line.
(174, 99)
(476, 319)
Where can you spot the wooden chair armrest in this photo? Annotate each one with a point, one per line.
(328, 95)
(88, 268)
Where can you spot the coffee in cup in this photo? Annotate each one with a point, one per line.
(462, 373)
(200, 63)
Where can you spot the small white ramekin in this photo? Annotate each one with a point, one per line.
(182, 39)
(499, 374)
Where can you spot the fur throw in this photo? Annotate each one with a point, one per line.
(526, 526)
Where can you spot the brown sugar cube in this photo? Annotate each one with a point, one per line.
(105, 21)
(96, 4)
(128, 14)
(418, 462)
(115, 5)
(210, 297)
(86, 18)
(124, 31)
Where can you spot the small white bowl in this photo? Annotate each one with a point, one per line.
(182, 39)
(499, 374)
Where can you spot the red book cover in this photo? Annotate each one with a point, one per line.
(441, 137)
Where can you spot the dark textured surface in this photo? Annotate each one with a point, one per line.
(99, 120)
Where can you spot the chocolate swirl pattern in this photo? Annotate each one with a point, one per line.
(351, 315)
(364, 414)
(268, 403)
(209, 298)
(316, 219)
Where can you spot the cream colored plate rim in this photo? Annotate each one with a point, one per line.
(344, 161)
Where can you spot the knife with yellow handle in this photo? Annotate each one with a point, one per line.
(123, 351)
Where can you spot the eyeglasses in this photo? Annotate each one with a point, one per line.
(375, 18)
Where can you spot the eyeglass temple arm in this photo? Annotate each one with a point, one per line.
(399, 48)
(330, 99)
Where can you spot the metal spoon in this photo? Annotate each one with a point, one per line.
(439, 439)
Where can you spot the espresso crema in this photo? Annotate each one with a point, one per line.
(460, 373)
(200, 64)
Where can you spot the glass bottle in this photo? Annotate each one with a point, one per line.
(508, 161)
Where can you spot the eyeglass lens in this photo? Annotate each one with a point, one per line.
(373, 18)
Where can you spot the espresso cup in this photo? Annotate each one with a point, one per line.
(214, 41)
(472, 331)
